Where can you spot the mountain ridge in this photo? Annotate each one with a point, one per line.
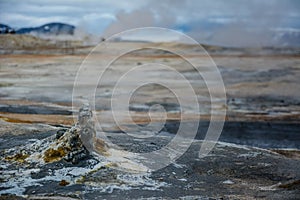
(54, 28)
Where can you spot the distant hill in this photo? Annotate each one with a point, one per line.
(49, 29)
(288, 38)
(4, 29)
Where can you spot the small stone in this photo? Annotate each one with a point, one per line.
(210, 172)
(63, 183)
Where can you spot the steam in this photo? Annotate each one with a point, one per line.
(229, 23)
(135, 19)
(80, 34)
(234, 23)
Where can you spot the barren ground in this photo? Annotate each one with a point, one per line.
(263, 110)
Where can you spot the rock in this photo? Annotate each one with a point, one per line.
(63, 183)
(68, 146)
(88, 133)
(72, 145)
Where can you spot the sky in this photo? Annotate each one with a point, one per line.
(215, 21)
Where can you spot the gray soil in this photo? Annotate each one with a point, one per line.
(228, 172)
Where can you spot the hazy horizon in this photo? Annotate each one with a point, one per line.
(229, 23)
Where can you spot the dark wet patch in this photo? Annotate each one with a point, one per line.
(8, 141)
(261, 103)
(138, 145)
(11, 197)
(231, 76)
(31, 109)
(289, 153)
(169, 107)
(258, 134)
(104, 175)
(54, 187)
(292, 185)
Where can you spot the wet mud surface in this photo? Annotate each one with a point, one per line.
(233, 171)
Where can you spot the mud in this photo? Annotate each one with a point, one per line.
(234, 171)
